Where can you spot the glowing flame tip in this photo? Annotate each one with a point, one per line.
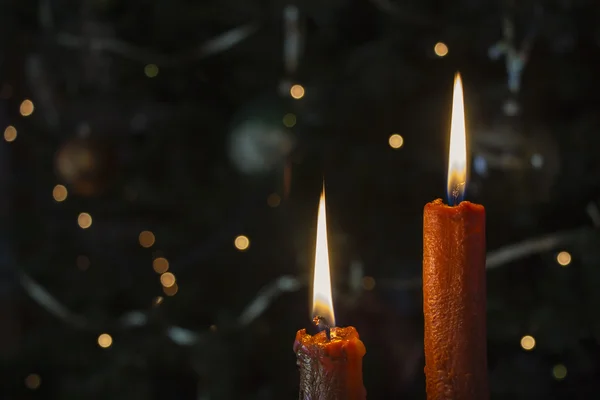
(322, 298)
(457, 161)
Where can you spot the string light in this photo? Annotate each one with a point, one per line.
(440, 49)
(146, 239)
(157, 301)
(10, 133)
(273, 200)
(160, 265)
(151, 70)
(368, 283)
(33, 381)
(105, 340)
(297, 92)
(59, 193)
(242, 242)
(289, 120)
(527, 342)
(563, 258)
(167, 279)
(84, 220)
(559, 372)
(396, 141)
(26, 108)
(171, 290)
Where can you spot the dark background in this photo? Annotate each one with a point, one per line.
(168, 116)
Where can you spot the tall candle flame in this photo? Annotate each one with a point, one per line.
(457, 162)
(322, 299)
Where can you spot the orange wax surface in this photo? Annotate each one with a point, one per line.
(330, 369)
(454, 301)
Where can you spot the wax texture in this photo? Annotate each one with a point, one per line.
(330, 369)
(454, 301)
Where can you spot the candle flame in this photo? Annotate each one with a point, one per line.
(457, 162)
(322, 299)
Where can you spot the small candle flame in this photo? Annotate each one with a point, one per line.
(322, 299)
(457, 162)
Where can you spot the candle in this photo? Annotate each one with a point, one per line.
(454, 292)
(330, 361)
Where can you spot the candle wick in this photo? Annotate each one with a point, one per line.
(322, 324)
(456, 192)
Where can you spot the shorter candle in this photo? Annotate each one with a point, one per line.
(330, 362)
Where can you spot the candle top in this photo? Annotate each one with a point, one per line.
(463, 205)
(342, 339)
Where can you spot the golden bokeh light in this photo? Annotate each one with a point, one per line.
(241, 243)
(26, 108)
(297, 92)
(396, 141)
(59, 193)
(151, 70)
(33, 381)
(146, 239)
(83, 262)
(563, 258)
(289, 120)
(157, 301)
(213, 328)
(160, 265)
(105, 340)
(10, 133)
(171, 290)
(84, 220)
(273, 200)
(559, 372)
(167, 279)
(368, 283)
(440, 49)
(527, 342)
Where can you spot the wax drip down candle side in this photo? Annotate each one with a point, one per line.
(454, 281)
(330, 362)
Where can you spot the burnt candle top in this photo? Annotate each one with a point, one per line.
(318, 345)
(463, 206)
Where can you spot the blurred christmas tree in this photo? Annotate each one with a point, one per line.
(162, 163)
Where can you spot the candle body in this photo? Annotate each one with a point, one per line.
(454, 301)
(330, 369)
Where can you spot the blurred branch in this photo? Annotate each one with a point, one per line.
(136, 319)
(215, 45)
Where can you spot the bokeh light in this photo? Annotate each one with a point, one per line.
(167, 279)
(297, 92)
(171, 290)
(396, 141)
(59, 193)
(563, 258)
(241, 242)
(10, 133)
(559, 372)
(151, 70)
(33, 381)
(83, 262)
(146, 239)
(84, 220)
(527, 342)
(273, 200)
(440, 49)
(289, 120)
(368, 283)
(26, 108)
(160, 265)
(105, 340)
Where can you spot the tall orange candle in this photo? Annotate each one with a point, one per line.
(330, 362)
(454, 281)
